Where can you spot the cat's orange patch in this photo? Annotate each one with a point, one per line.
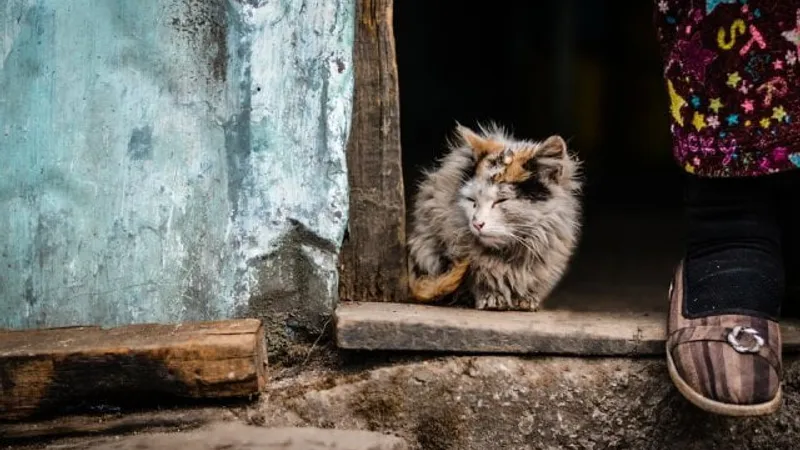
(425, 289)
(515, 171)
(481, 146)
(485, 147)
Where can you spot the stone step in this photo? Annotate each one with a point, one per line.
(235, 436)
(529, 403)
(413, 327)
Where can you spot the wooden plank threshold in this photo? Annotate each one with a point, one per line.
(410, 327)
(44, 369)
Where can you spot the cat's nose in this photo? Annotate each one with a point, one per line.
(478, 225)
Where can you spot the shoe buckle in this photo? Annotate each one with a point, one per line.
(745, 339)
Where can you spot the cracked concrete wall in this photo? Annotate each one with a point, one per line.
(172, 160)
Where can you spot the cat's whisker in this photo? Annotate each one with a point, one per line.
(522, 242)
(492, 231)
(522, 239)
(536, 233)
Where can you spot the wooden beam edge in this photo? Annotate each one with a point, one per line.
(43, 370)
(414, 327)
(63, 341)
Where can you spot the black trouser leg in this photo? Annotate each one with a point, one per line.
(734, 261)
(789, 216)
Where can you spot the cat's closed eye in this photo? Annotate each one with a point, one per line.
(500, 200)
(470, 199)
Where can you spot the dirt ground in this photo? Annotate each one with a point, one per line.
(476, 403)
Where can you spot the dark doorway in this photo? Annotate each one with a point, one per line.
(587, 70)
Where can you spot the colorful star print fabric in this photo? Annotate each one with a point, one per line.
(733, 78)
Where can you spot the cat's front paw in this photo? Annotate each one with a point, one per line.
(493, 301)
(524, 304)
(499, 302)
(485, 301)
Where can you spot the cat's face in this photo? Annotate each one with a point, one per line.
(513, 185)
(486, 206)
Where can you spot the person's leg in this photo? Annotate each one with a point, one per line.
(789, 217)
(730, 70)
(723, 346)
(733, 262)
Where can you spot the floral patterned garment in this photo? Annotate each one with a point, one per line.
(733, 78)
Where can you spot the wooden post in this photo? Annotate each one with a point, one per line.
(45, 369)
(373, 258)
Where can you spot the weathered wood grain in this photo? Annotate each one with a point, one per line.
(44, 369)
(381, 326)
(373, 261)
(22, 432)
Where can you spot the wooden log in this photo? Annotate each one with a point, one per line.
(382, 326)
(45, 369)
(373, 261)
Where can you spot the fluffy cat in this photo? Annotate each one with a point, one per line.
(499, 217)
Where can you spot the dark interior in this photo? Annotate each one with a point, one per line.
(587, 70)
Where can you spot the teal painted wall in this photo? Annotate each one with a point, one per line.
(170, 160)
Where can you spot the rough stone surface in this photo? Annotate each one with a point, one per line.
(170, 160)
(515, 403)
(498, 402)
(232, 436)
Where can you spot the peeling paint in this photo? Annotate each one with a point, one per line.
(296, 168)
(172, 160)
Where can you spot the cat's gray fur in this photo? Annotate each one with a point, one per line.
(528, 238)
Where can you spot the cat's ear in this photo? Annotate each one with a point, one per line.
(552, 155)
(480, 146)
(552, 147)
